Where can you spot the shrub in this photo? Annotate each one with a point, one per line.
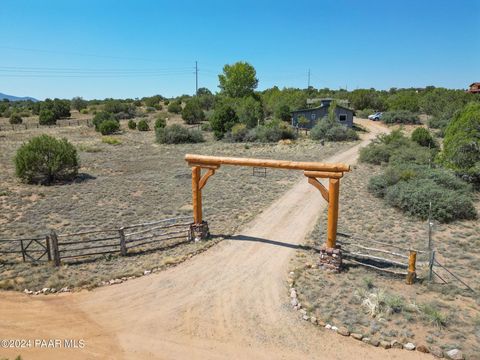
(206, 127)
(363, 114)
(223, 120)
(384, 146)
(423, 137)
(175, 107)
(110, 140)
(143, 125)
(44, 160)
(273, 132)
(400, 117)
(150, 109)
(132, 125)
(84, 111)
(108, 127)
(461, 148)
(414, 196)
(160, 122)
(238, 133)
(192, 113)
(177, 134)
(15, 119)
(101, 117)
(166, 102)
(332, 131)
(127, 111)
(47, 117)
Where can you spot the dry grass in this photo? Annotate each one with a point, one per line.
(131, 182)
(382, 306)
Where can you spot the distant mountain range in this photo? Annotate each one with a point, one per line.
(16, 98)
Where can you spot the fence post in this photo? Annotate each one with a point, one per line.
(123, 245)
(430, 265)
(412, 259)
(47, 244)
(23, 250)
(56, 253)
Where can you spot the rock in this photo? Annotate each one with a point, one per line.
(293, 293)
(53, 290)
(385, 344)
(334, 328)
(45, 290)
(321, 323)
(454, 354)
(115, 281)
(423, 349)
(396, 345)
(343, 331)
(313, 320)
(436, 351)
(65, 289)
(374, 342)
(328, 326)
(366, 340)
(409, 346)
(356, 336)
(294, 302)
(305, 317)
(303, 311)
(147, 272)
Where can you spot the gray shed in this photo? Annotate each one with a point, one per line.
(343, 114)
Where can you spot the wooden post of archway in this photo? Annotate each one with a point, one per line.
(330, 255)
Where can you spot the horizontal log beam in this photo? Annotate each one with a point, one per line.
(323, 174)
(203, 161)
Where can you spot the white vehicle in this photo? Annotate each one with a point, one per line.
(375, 117)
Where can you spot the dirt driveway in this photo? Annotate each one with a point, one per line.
(229, 302)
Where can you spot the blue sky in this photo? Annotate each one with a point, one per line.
(135, 48)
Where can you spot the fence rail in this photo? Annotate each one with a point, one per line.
(90, 243)
(380, 257)
(59, 123)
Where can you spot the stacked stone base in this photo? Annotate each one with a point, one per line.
(199, 231)
(330, 258)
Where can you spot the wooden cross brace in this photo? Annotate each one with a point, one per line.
(331, 196)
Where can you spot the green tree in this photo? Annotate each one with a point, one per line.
(175, 107)
(206, 98)
(249, 111)
(15, 119)
(283, 112)
(78, 103)
(461, 148)
(223, 119)
(47, 117)
(192, 113)
(238, 80)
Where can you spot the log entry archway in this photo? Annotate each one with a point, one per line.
(312, 170)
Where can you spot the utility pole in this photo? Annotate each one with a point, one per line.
(196, 77)
(308, 84)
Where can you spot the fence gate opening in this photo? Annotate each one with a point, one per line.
(330, 252)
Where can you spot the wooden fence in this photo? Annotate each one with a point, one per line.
(59, 123)
(380, 256)
(123, 241)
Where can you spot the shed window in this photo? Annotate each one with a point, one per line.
(313, 116)
(342, 117)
